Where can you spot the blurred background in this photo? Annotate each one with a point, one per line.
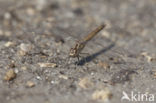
(35, 38)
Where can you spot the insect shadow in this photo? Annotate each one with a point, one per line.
(93, 56)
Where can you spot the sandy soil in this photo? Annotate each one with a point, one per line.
(36, 36)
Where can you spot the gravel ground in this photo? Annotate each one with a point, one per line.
(36, 36)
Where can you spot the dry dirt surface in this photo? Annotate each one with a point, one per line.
(36, 36)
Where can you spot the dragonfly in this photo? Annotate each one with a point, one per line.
(79, 46)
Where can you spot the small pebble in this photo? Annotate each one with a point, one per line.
(24, 68)
(9, 44)
(105, 34)
(38, 77)
(102, 95)
(30, 11)
(50, 65)
(16, 70)
(85, 83)
(10, 75)
(12, 64)
(30, 84)
(24, 49)
(7, 15)
(154, 74)
(22, 53)
(63, 77)
(40, 4)
(104, 65)
(92, 73)
(148, 57)
(52, 82)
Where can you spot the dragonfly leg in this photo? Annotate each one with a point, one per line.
(78, 58)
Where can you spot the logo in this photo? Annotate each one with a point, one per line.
(125, 96)
(137, 96)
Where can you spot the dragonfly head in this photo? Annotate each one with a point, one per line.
(72, 52)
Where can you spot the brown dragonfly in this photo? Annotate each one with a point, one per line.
(76, 50)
